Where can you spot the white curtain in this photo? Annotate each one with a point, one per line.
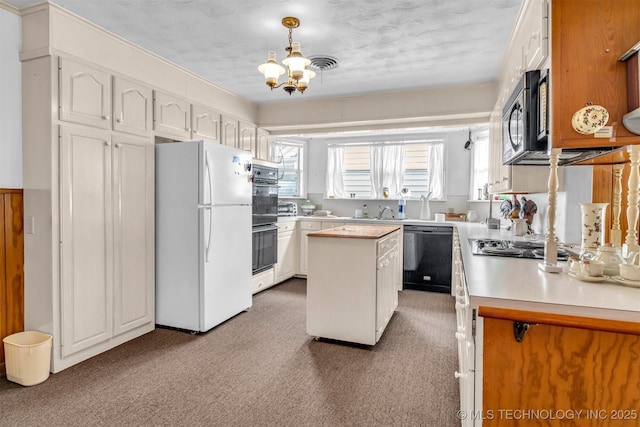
(387, 169)
(334, 185)
(436, 172)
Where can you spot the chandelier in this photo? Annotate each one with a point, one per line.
(298, 75)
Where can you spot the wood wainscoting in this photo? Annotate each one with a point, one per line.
(11, 266)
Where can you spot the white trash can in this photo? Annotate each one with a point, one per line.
(27, 357)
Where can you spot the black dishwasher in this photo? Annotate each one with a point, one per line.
(427, 255)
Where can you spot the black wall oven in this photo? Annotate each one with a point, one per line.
(265, 217)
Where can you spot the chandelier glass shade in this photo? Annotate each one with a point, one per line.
(298, 75)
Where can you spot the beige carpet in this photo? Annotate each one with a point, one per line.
(260, 369)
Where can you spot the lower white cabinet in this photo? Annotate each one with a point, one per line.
(263, 280)
(306, 227)
(464, 336)
(287, 251)
(352, 288)
(105, 294)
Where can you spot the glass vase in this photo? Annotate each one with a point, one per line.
(593, 217)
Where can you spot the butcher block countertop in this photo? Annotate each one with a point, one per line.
(357, 231)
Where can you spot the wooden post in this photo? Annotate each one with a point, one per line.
(551, 245)
(615, 237)
(631, 241)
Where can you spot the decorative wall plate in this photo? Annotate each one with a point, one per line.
(590, 119)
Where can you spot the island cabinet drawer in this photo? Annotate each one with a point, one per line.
(387, 243)
(286, 226)
(311, 225)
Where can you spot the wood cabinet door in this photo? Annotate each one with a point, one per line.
(85, 94)
(559, 369)
(133, 233)
(172, 116)
(247, 135)
(230, 132)
(132, 107)
(205, 123)
(85, 238)
(581, 74)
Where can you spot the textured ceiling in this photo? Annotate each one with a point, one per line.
(381, 45)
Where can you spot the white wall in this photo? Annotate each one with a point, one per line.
(458, 179)
(10, 101)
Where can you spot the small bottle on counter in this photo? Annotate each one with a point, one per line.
(401, 206)
(365, 212)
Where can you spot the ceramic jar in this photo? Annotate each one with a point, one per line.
(593, 215)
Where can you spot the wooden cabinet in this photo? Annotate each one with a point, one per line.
(562, 363)
(132, 107)
(106, 222)
(11, 270)
(171, 116)
(352, 287)
(262, 145)
(85, 94)
(581, 74)
(288, 251)
(229, 135)
(205, 123)
(305, 228)
(247, 137)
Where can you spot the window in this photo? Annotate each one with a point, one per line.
(290, 158)
(363, 169)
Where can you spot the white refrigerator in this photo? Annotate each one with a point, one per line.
(203, 234)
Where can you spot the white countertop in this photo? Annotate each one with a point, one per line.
(518, 283)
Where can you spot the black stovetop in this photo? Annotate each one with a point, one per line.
(512, 248)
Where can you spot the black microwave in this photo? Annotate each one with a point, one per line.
(525, 119)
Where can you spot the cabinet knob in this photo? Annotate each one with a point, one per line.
(118, 145)
(107, 143)
(106, 117)
(119, 120)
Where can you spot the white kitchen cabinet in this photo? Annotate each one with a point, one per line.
(464, 335)
(306, 227)
(107, 236)
(262, 145)
(86, 249)
(229, 132)
(247, 137)
(330, 224)
(133, 190)
(85, 94)
(171, 116)
(132, 107)
(352, 289)
(205, 123)
(288, 251)
(263, 280)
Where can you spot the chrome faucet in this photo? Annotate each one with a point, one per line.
(382, 210)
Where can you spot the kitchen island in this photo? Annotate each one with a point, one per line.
(354, 273)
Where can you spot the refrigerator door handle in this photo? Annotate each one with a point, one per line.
(208, 242)
(207, 168)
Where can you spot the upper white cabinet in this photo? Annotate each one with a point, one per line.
(132, 107)
(229, 136)
(205, 123)
(85, 94)
(262, 145)
(247, 137)
(171, 116)
(91, 96)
